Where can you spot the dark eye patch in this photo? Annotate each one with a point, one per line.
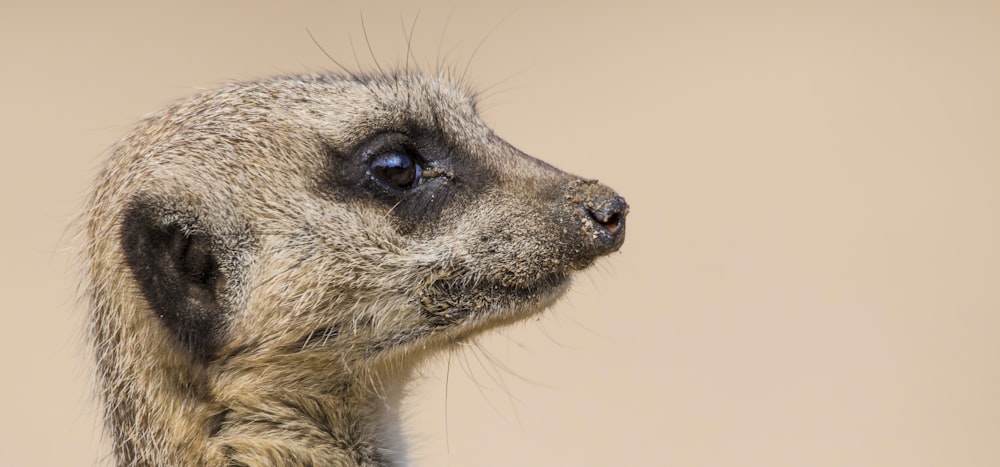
(415, 174)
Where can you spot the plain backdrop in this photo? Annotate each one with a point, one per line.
(812, 270)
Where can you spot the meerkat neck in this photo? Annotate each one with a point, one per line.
(271, 412)
(254, 410)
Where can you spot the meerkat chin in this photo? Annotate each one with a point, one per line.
(266, 263)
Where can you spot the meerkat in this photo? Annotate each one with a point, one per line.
(266, 263)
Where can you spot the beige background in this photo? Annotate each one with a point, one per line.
(812, 270)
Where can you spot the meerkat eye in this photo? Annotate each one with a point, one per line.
(396, 170)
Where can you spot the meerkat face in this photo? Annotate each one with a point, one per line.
(370, 216)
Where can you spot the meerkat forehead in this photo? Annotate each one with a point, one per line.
(347, 109)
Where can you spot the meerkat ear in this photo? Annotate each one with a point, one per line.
(178, 274)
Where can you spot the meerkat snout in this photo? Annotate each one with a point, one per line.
(266, 263)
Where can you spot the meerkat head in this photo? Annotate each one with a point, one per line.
(267, 261)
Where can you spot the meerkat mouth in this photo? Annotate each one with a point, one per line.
(454, 310)
(452, 301)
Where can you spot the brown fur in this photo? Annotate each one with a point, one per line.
(323, 290)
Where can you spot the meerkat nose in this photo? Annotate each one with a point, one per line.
(607, 211)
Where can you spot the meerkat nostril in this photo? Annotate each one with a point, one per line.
(613, 223)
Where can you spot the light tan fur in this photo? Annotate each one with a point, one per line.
(328, 297)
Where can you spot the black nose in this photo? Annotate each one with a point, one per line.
(607, 213)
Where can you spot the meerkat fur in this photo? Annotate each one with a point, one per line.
(267, 262)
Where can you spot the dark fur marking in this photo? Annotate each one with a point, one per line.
(177, 273)
(216, 421)
(451, 178)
